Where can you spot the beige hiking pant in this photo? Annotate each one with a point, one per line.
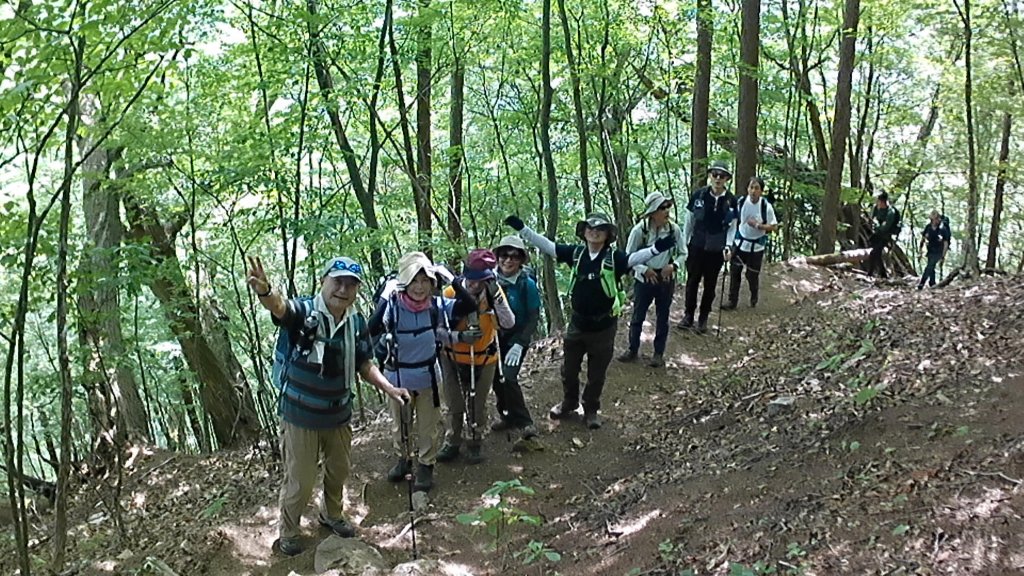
(425, 420)
(301, 450)
(457, 380)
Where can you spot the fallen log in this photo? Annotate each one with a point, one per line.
(849, 256)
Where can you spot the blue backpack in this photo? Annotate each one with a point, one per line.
(286, 351)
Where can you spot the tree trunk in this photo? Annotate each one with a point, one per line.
(997, 205)
(746, 116)
(455, 150)
(115, 407)
(577, 104)
(423, 152)
(970, 245)
(551, 287)
(701, 96)
(840, 130)
(226, 399)
(325, 81)
(60, 524)
(850, 256)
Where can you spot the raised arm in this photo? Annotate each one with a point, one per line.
(260, 284)
(542, 243)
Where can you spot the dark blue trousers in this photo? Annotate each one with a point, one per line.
(644, 295)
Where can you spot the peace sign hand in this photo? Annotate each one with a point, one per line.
(256, 277)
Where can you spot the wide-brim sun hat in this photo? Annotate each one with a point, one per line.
(597, 220)
(409, 265)
(512, 242)
(342, 266)
(653, 202)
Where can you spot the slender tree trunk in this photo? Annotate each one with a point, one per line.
(840, 130)
(325, 81)
(746, 126)
(970, 244)
(423, 151)
(701, 96)
(551, 287)
(577, 104)
(997, 203)
(456, 153)
(60, 524)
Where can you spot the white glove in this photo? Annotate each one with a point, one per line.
(515, 354)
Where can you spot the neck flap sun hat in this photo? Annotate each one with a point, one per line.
(342, 266)
(512, 242)
(479, 265)
(597, 220)
(653, 202)
(409, 265)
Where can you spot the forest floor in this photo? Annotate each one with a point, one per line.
(841, 427)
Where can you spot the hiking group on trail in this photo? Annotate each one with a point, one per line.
(437, 336)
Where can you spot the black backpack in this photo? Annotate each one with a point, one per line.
(897, 223)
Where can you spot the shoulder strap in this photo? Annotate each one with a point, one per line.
(764, 210)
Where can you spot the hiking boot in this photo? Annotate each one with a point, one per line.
(448, 452)
(730, 305)
(398, 473)
(592, 420)
(657, 361)
(702, 326)
(424, 478)
(529, 431)
(563, 409)
(627, 356)
(474, 456)
(687, 322)
(290, 546)
(340, 527)
(501, 425)
(753, 301)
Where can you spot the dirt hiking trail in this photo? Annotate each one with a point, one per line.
(841, 427)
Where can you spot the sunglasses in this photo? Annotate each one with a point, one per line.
(509, 255)
(354, 268)
(665, 207)
(719, 174)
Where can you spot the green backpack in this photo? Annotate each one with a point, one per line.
(609, 283)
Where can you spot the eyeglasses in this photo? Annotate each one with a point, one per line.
(665, 207)
(353, 267)
(509, 256)
(719, 174)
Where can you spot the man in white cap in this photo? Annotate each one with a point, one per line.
(331, 343)
(656, 279)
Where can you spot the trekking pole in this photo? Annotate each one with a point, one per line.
(406, 412)
(501, 380)
(721, 297)
(472, 392)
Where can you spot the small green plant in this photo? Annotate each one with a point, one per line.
(866, 395)
(535, 550)
(759, 568)
(215, 507)
(501, 513)
(667, 551)
(794, 550)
